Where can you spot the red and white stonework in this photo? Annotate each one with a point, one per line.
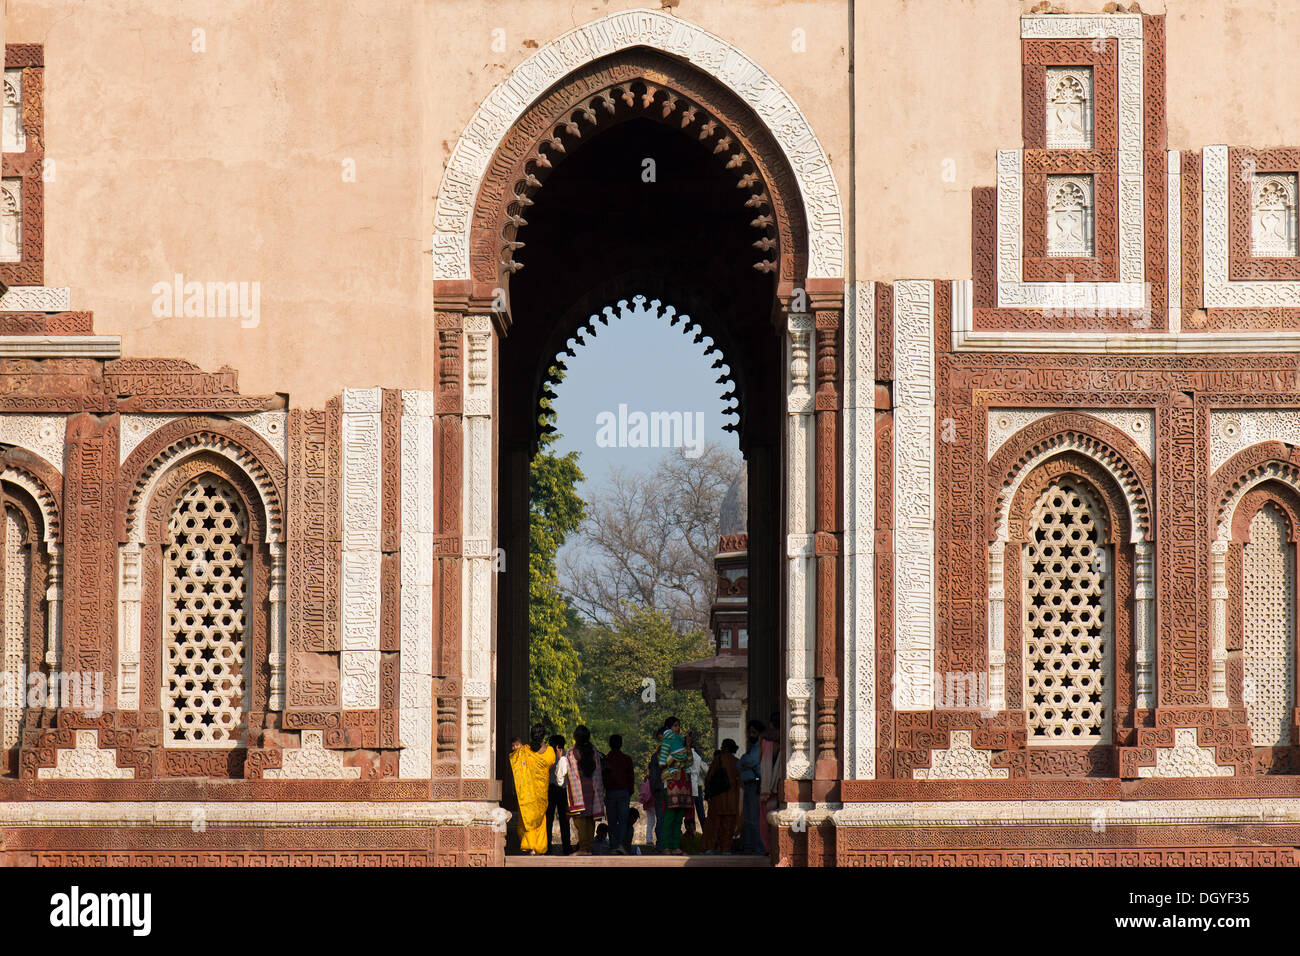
(1034, 538)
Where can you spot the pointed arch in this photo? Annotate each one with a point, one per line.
(605, 89)
(480, 168)
(1077, 446)
(180, 439)
(1254, 613)
(184, 448)
(1054, 435)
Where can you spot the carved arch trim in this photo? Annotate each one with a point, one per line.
(1249, 468)
(1047, 438)
(1284, 497)
(476, 173)
(183, 438)
(691, 315)
(607, 93)
(1071, 463)
(43, 482)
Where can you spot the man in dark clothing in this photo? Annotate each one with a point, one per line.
(657, 788)
(750, 775)
(559, 797)
(619, 784)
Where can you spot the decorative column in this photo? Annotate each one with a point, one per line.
(128, 627)
(1144, 652)
(278, 650)
(447, 496)
(1218, 624)
(800, 596)
(54, 618)
(479, 581)
(827, 538)
(997, 628)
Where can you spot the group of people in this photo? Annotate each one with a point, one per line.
(582, 787)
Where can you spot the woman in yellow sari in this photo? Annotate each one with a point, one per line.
(531, 767)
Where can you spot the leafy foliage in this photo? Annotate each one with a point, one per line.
(618, 659)
(555, 512)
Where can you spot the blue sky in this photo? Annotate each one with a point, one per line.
(644, 363)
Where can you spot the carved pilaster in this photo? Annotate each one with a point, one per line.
(827, 541)
(858, 602)
(417, 636)
(1144, 651)
(914, 540)
(128, 623)
(362, 509)
(90, 571)
(277, 650)
(800, 578)
(997, 628)
(1218, 624)
(477, 543)
(312, 560)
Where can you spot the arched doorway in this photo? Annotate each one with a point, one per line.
(638, 170)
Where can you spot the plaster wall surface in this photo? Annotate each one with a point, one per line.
(214, 141)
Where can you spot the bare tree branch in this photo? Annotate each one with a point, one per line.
(649, 540)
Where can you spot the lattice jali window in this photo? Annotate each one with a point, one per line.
(16, 549)
(1268, 629)
(1068, 619)
(206, 587)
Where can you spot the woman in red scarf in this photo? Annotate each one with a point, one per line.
(586, 787)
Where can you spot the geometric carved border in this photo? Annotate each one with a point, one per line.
(185, 436)
(1242, 264)
(800, 150)
(1099, 161)
(29, 166)
(1002, 217)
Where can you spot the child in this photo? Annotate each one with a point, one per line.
(633, 815)
(600, 846)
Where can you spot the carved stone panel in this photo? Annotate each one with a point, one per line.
(1069, 107)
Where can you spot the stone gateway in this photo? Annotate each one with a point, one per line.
(1018, 543)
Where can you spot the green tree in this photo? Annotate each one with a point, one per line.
(555, 511)
(626, 681)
